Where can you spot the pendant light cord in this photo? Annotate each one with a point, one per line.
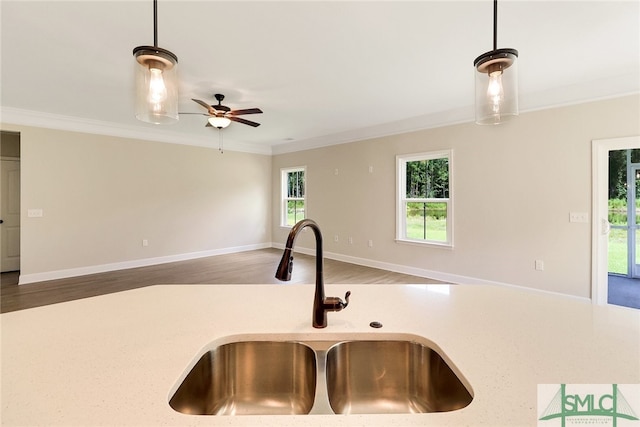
(495, 24)
(155, 23)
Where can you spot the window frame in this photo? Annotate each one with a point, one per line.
(284, 195)
(402, 199)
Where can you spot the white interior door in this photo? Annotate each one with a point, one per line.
(10, 215)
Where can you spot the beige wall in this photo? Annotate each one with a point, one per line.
(101, 196)
(513, 188)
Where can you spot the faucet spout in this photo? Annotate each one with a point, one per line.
(285, 267)
(321, 304)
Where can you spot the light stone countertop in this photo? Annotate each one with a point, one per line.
(116, 359)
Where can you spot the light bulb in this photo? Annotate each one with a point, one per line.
(157, 89)
(495, 92)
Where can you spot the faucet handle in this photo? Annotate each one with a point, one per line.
(335, 303)
(346, 299)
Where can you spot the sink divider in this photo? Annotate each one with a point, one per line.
(321, 405)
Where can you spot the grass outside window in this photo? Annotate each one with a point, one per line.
(424, 198)
(426, 221)
(295, 211)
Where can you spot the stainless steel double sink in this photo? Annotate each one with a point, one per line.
(293, 377)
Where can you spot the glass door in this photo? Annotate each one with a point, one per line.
(624, 213)
(618, 213)
(634, 220)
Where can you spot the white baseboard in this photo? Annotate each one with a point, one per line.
(103, 268)
(429, 274)
(397, 268)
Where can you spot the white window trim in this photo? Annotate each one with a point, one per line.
(283, 193)
(401, 206)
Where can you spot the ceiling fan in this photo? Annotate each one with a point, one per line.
(221, 116)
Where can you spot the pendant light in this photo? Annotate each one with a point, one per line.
(496, 81)
(156, 81)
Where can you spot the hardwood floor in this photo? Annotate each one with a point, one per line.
(252, 267)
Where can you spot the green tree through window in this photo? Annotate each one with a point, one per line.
(424, 205)
(294, 196)
(428, 179)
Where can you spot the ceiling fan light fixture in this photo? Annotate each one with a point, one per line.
(221, 116)
(156, 72)
(496, 82)
(219, 122)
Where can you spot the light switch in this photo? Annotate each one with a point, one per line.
(35, 213)
(578, 217)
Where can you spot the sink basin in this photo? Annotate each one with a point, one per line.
(252, 377)
(375, 377)
(294, 375)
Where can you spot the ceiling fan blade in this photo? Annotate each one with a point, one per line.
(205, 105)
(244, 121)
(198, 114)
(245, 111)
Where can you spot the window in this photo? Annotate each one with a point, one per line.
(424, 206)
(293, 196)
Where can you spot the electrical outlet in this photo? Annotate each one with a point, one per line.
(539, 264)
(145, 242)
(336, 238)
(350, 240)
(370, 243)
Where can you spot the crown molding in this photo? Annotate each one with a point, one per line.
(413, 124)
(40, 119)
(529, 103)
(581, 93)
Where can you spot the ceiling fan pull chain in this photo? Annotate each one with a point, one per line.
(220, 142)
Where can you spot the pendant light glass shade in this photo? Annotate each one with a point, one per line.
(156, 85)
(496, 86)
(156, 71)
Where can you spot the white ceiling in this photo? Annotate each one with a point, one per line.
(323, 72)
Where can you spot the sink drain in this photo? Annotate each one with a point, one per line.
(375, 325)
